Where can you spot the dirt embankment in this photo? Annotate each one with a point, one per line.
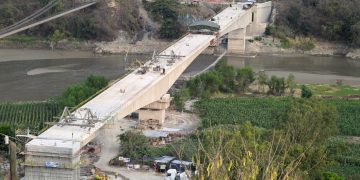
(322, 48)
(125, 43)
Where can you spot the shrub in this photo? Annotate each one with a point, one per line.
(8, 130)
(258, 38)
(331, 176)
(180, 97)
(269, 30)
(277, 85)
(134, 144)
(285, 43)
(305, 92)
(224, 78)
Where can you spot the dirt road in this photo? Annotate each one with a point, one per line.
(110, 148)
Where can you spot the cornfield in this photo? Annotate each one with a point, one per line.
(28, 115)
(269, 112)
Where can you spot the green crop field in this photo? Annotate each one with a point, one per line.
(333, 90)
(346, 153)
(268, 112)
(260, 112)
(29, 114)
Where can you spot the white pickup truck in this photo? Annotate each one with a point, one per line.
(172, 174)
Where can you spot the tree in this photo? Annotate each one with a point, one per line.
(244, 78)
(96, 82)
(56, 37)
(311, 121)
(196, 87)
(180, 97)
(133, 144)
(212, 81)
(170, 29)
(355, 34)
(166, 12)
(291, 84)
(228, 74)
(75, 94)
(245, 152)
(269, 30)
(262, 79)
(276, 85)
(305, 92)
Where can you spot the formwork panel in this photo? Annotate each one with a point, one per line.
(43, 173)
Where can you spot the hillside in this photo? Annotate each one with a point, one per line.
(99, 22)
(103, 21)
(129, 21)
(331, 20)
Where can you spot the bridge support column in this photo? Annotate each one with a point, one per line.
(236, 41)
(152, 116)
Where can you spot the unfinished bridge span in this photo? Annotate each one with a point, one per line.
(55, 154)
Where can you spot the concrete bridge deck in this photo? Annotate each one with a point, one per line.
(108, 104)
(62, 143)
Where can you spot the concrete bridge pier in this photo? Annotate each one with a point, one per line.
(153, 115)
(236, 41)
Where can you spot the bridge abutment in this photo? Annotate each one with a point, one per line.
(253, 23)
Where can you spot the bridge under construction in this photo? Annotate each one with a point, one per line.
(55, 154)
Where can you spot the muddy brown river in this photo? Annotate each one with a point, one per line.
(39, 74)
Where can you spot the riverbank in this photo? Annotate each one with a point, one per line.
(148, 44)
(121, 45)
(270, 45)
(37, 54)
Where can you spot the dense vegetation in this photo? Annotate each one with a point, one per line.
(166, 12)
(229, 80)
(98, 22)
(329, 19)
(7, 130)
(300, 145)
(75, 94)
(308, 123)
(101, 21)
(270, 112)
(224, 78)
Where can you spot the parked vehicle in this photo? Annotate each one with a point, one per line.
(172, 174)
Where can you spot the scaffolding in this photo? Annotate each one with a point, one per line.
(84, 115)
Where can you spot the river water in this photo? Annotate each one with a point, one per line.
(39, 75)
(306, 69)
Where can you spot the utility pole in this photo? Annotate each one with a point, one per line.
(12, 152)
(13, 170)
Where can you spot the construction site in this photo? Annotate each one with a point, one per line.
(58, 152)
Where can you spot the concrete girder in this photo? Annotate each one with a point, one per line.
(160, 87)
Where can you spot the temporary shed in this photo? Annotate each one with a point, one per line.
(204, 25)
(162, 164)
(181, 166)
